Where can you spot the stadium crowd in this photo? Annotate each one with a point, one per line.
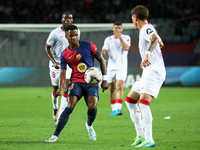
(183, 14)
(91, 11)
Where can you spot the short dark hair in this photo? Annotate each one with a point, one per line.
(67, 12)
(70, 27)
(141, 12)
(118, 23)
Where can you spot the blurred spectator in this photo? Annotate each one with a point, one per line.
(94, 11)
(194, 34)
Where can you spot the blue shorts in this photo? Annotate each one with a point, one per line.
(83, 89)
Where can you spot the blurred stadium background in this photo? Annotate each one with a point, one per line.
(26, 24)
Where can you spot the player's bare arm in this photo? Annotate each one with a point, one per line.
(104, 84)
(103, 52)
(153, 43)
(118, 34)
(124, 45)
(50, 56)
(62, 81)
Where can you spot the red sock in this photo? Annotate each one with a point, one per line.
(54, 95)
(119, 101)
(65, 95)
(130, 100)
(145, 102)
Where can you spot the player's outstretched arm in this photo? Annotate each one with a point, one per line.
(104, 84)
(62, 81)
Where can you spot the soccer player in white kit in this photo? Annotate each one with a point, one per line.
(117, 46)
(55, 45)
(153, 76)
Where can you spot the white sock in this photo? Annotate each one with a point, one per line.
(119, 104)
(135, 115)
(147, 119)
(63, 104)
(54, 100)
(113, 105)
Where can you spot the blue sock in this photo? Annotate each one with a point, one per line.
(62, 121)
(91, 116)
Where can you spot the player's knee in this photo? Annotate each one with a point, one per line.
(112, 89)
(92, 108)
(120, 87)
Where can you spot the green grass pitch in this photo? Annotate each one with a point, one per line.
(26, 121)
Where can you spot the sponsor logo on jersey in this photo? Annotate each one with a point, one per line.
(69, 57)
(78, 56)
(149, 31)
(81, 67)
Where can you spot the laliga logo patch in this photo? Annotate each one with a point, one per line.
(149, 30)
(82, 67)
(78, 56)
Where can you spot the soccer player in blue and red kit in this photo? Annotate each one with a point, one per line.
(79, 55)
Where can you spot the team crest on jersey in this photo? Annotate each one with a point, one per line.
(82, 67)
(149, 31)
(78, 56)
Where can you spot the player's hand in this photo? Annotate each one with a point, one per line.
(117, 34)
(104, 85)
(58, 92)
(56, 65)
(145, 63)
(161, 44)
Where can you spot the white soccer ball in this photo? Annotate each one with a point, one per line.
(93, 76)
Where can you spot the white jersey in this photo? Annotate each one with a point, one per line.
(58, 43)
(117, 56)
(157, 68)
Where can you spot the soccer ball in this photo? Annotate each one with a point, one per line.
(93, 76)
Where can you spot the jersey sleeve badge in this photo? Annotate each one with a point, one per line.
(149, 31)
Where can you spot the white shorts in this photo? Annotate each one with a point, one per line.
(115, 75)
(148, 86)
(55, 75)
